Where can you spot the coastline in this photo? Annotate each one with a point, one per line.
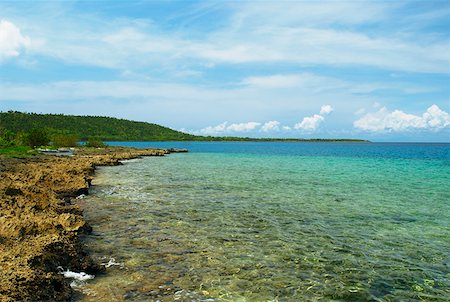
(41, 224)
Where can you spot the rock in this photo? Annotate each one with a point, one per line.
(13, 192)
(40, 222)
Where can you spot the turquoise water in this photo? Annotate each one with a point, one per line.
(274, 222)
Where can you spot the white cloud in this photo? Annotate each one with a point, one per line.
(397, 121)
(243, 127)
(11, 40)
(213, 130)
(326, 109)
(271, 126)
(191, 103)
(310, 123)
(315, 83)
(230, 129)
(227, 129)
(308, 32)
(224, 128)
(321, 46)
(434, 117)
(300, 33)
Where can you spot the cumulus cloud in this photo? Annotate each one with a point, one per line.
(225, 128)
(397, 121)
(326, 109)
(11, 40)
(436, 118)
(271, 126)
(311, 123)
(243, 127)
(229, 129)
(210, 130)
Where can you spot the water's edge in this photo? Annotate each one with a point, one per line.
(247, 226)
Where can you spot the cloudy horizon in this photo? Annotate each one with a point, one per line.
(299, 69)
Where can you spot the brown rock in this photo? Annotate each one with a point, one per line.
(40, 223)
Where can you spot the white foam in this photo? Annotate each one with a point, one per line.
(80, 196)
(112, 262)
(78, 278)
(190, 296)
(132, 160)
(81, 276)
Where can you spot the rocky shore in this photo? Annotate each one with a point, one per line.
(40, 222)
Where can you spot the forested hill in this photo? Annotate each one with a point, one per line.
(97, 127)
(113, 129)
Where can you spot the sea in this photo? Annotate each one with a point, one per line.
(272, 221)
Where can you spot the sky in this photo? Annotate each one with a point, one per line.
(376, 70)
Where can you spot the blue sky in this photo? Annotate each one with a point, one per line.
(346, 69)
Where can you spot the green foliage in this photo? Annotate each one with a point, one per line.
(18, 151)
(84, 127)
(36, 137)
(5, 143)
(20, 139)
(7, 138)
(112, 129)
(95, 143)
(65, 140)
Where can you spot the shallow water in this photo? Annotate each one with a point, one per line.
(274, 222)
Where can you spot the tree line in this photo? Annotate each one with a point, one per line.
(32, 129)
(40, 137)
(85, 127)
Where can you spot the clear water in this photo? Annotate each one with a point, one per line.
(274, 222)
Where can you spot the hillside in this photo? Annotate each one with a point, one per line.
(98, 127)
(114, 129)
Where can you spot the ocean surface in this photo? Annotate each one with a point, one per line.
(271, 221)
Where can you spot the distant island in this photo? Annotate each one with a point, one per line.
(113, 129)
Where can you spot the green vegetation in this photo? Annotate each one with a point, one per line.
(64, 130)
(23, 144)
(95, 143)
(85, 127)
(17, 151)
(63, 140)
(36, 137)
(7, 138)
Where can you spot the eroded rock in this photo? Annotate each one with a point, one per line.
(40, 222)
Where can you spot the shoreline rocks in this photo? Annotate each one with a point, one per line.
(40, 222)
